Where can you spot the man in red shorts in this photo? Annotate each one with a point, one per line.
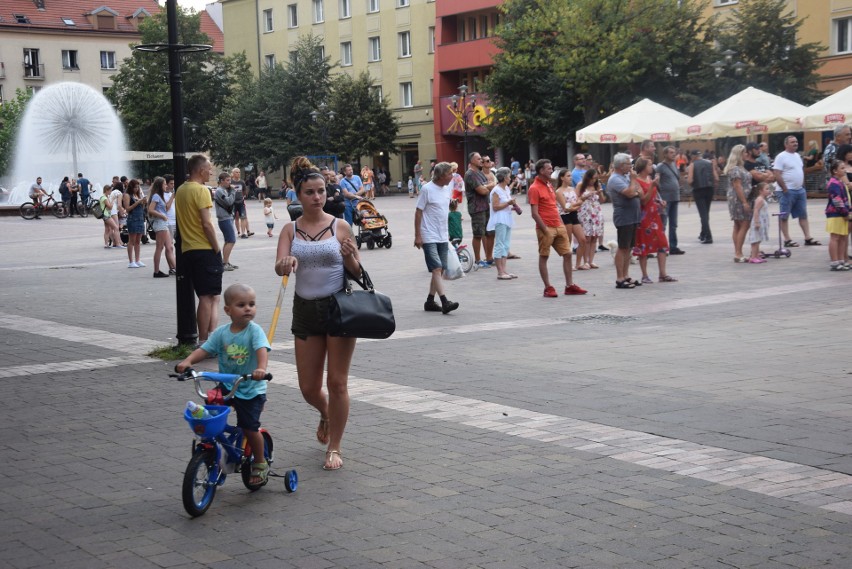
(549, 229)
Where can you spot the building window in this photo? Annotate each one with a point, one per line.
(294, 57)
(68, 22)
(32, 90)
(843, 35)
(319, 12)
(406, 94)
(269, 60)
(346, 53)
(321, 51)
(267, 21)
(376, 90)
(402, 3)
(21, 19)
(483, 26)
(2, 100)
(404, 44)
(374, 49)
(107, 60)
(292, 16)
(372, 6)
(106, 22)
(431, 39)
(69, 59)
(32, 63)
(345, 9)
(461, 31)
(471, 28)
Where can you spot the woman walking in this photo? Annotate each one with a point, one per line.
(157, 212)
(739, 186)
(134, 205)
(318, 247)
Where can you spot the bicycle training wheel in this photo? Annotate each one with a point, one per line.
(199, 484)
(28, 210)
(466, 260)
(245, 469)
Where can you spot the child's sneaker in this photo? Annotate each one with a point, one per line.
(756, 260)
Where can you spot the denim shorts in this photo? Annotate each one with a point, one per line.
(226, 226)
(248, 411)
(436, 255)
(159, 225)
(795, 203)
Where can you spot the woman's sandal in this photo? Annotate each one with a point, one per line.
(329, 458)
(624, 284)
(812, 242)
(322, 431)
(668, 279)
(259, 473)
(790, 243)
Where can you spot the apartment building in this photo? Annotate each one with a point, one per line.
(394, 40)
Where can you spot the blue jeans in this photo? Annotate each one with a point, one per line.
(670, 218)
(349, 211)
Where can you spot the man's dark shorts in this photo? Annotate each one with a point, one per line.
(478, 223)
(240, 209)
(248, 411)
(226, 226)
(627, 236)
(204, 268)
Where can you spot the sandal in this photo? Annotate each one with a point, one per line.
(322, 431)
(812, 242)
(329, 457)
(740, 259)
(513, 256)
(634, 282)
(668, 279)
(505, 277)
(790, 243)
(624, 284)
(259, 473)
(593, 266)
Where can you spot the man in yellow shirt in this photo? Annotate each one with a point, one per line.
(202, 259)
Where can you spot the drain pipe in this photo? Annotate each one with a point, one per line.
(257, 27)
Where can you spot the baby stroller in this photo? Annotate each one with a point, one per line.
(372, 226)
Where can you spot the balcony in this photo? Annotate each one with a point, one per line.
(35, 72)
(466, 54)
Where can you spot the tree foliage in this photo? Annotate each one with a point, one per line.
(763, 34)
(11, 114)
(566, 63)
(269, 120)
(140, 89)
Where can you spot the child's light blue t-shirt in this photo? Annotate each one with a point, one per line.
(237, 353)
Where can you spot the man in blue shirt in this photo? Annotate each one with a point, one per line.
(83, 185)
(351, 185)
(579, 170)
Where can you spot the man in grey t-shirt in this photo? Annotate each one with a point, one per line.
(224, 199)
(624, 193)
(670, 193)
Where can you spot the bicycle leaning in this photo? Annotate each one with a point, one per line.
(220, 448)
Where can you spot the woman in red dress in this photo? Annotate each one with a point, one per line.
(650, 236)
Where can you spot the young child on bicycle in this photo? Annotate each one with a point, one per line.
(241, 348)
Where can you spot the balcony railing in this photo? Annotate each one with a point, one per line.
(34, 71)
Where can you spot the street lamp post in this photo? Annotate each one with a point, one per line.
(319, 117)
(460, 106)
(187, 329)
(719, 66)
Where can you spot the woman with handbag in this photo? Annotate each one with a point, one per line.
(319, 249)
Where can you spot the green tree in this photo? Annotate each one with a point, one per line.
(11, 113)
(567, 63)
(140, 89)
(364, 125)
(763, 34)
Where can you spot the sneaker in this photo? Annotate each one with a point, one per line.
(574, 289)
(160, 275)
(602, 248)
(483, 264)
(449, 306)
(250, 233)
(172, 271)
(431, 306)
(132, 265)
(550, 292)
(243, 236)
(490, 263)
(140, 264)
(228, 267)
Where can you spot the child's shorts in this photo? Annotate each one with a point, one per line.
(248, 411)
(270, 225)
(837, 225)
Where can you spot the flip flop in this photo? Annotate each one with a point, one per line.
(505, 277)
(329, 455)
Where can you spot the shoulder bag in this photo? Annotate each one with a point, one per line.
(362, 313)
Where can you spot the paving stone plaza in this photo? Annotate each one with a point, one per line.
(698, 424)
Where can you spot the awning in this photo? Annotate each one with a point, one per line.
(646, 120)
(834, 110)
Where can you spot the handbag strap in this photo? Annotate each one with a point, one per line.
(364, 282)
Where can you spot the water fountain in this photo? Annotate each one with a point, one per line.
(67, 128)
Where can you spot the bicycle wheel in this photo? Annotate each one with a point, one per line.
(466, 260)
(82, 210)
(28, 210)
(58, 210)
(199, 486)
(245, 469)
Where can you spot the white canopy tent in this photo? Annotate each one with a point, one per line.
(834, 110)
(646, 120)
(751, 111)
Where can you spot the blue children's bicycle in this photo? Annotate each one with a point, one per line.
(220, 448)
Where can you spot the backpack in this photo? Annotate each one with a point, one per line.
(97, 210)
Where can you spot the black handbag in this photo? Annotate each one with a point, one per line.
(360, 313)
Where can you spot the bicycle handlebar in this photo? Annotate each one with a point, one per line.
(197, 376)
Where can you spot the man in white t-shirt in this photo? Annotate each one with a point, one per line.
(789, 173)
(431, 233)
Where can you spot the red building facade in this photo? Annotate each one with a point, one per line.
(464, 54)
